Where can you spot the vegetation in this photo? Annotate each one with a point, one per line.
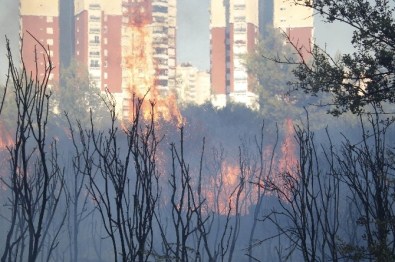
(153, 191)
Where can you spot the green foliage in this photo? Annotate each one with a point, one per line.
(77, 95)
(364, 77)
(272, 78)
(277, 98)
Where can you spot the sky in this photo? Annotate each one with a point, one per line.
(9, 26)
(193, 36)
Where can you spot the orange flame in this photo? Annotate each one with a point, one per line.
(5, 137)
(141, 69)
(221, 190)
(288, 161)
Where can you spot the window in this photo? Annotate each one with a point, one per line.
(50, 41)
(49, 30)
(159, 50)
(239, 7)
(94, 6)
(94, 63)
(240, 19)
(94, 18)
(49, 19)
(94, 53)
(159, 9)
(161, 82)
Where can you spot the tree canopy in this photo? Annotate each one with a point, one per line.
(365, 76)
(77, 95)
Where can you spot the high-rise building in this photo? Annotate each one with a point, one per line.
(66, 32)
(148, 49)
(193, 85)
(234, 33)
(297, 22)
(39, 20)
(98, 41)
(128, 46)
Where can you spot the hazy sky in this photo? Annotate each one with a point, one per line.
(192, 36)
(9, 25)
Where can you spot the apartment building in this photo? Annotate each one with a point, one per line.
(128, 46)
(193, 85)
(39, 25)
(98, 41)
(234, 30)
(297, 22)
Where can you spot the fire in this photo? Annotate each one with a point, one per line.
(286, 172)
(221, 190)
(5, 142)
(5, 137)
(140, 66)
(288, 161)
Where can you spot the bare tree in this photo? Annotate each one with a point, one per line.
(36, 180)
(367, 169)
(214, 231)
(125, 187)
(77, 195)
(185, 206)
(308, 211)
(263, 171)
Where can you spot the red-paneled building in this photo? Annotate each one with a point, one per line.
(234, 29)
(98, 41)
(234, 33)
(39, 20)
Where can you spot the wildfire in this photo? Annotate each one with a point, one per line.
(5, 141)
(140, 67)
(288, 160)
(221, 191)
(5, 138)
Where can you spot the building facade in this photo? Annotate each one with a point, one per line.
(235, 26)
(98, 41)
(234, 30)
(39, 21)
(297, 22)
(128, 46)
(193, 85)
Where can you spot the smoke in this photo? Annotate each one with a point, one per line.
(193, 36)
(9, 20)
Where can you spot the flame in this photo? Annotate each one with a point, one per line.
(5, 137)
(288, 161)
(140, 67)
(5, 142)
(286, 172)
(220, 191)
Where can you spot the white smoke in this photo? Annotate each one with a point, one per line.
(9, 21)
(193, 35)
